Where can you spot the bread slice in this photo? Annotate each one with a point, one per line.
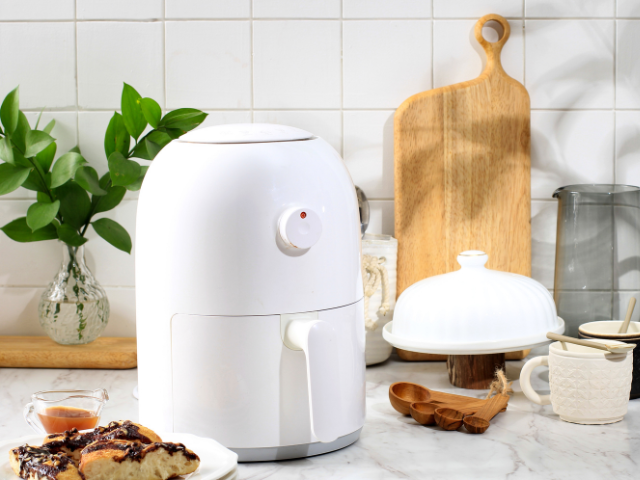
(36, 463)
(123, 460)
(72, 442)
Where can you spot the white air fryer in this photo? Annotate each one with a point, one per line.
(250, 317)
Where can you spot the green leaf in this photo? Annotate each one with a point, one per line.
(19, 231)
(117, 138)
(151, 144)
(151, 111)
(11, 177)
(146, 149)
(46, 156)
(18, 158)
(87, 178)
(70, 235)
(20, 134)
(42, 214)
(133, 117)
(34, 182)
(109, 201)
(75, 149)
(38, 120)
(6, 150)
(74, 204)
(135, 186)
(114, 233)
(173, 133)
(49, 127)
(184, 118)
(35, 142)
(123, 171)
(43, 197)
(65, 168)
(9, 111)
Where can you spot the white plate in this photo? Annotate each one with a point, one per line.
(473, 348)
(216, 461)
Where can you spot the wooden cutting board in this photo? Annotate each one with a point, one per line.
(430, 357)
(42, 352)
(463, 172)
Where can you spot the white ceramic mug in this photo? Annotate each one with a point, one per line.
(588, 386)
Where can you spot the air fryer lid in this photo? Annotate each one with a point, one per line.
(246, 133)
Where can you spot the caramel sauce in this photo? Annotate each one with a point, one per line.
(60, 419)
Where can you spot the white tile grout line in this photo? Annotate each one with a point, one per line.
(75, 31)
(244, 19)
(433, 36)
(164, 51)
(342, 79)
(352, 109)
(251, 60)
(615, 94)
(524, 53)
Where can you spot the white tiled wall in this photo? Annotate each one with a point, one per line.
(338, 68)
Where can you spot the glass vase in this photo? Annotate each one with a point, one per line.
(74, 308)
(597, 253)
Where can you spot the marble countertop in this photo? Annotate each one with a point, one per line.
(528, 441)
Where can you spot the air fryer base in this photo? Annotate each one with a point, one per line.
(288, 452)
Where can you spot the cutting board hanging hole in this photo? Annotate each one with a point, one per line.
(492, 31)
(497, 32)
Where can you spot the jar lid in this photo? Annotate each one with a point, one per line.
(473, 311)
(246, 133)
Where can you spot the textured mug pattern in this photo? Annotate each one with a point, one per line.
(594, 390)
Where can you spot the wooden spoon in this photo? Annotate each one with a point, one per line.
(479, 422)
(424, 412)
(403, 394)
(449, 418)
(611, 348)
(625, 325)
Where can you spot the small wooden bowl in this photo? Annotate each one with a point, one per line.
(423, 412)
(403, 394)
(448, 418)
(475, 424)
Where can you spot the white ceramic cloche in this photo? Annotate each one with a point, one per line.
(473, 311)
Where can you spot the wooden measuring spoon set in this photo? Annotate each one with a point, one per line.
(447, 410)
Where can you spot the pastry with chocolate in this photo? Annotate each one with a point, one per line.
(72, 442)
(38, 463)
(121, 459)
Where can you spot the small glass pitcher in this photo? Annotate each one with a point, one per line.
(56, 411)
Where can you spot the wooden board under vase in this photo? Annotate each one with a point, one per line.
(116, 353)
(430, 357)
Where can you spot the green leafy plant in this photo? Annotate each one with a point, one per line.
(69, 191)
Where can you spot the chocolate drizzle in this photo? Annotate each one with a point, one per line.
(136, 451)
(42, 461)
(126, 430)
(73, 440)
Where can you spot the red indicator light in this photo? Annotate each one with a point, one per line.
(303, 215)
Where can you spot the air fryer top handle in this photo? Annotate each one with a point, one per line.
(318, 340)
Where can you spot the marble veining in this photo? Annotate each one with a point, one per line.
(527, 442)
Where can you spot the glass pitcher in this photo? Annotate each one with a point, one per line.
(597, 253)
(57, 411)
